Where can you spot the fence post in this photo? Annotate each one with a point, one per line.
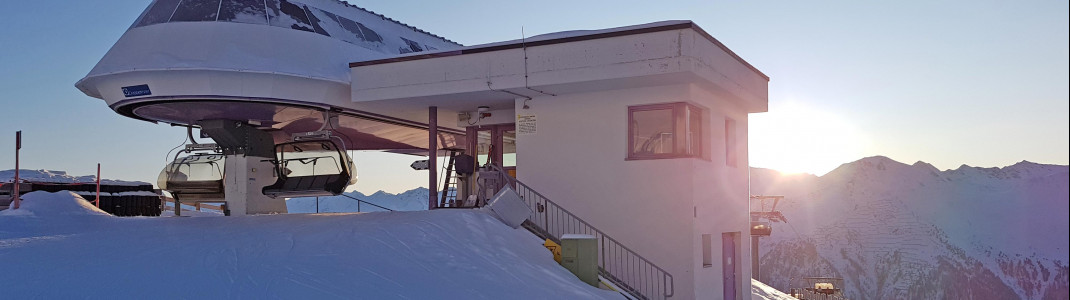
(15, 187)
(98, 186)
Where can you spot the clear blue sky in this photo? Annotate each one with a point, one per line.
(983, 83)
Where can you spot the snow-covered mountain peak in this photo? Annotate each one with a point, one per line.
(913, 232)
(55, 176)
(1023, 170)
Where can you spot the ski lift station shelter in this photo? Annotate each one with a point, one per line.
(639, 131)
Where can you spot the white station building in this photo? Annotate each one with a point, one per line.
(635, 135)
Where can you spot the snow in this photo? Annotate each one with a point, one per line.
(58, 247)
(61, 204)
(760, 291)
(552, 36)
(576, 236)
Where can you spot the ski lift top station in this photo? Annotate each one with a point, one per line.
(638, 131)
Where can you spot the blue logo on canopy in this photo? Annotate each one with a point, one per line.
(136, 90)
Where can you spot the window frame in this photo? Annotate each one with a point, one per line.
(684, 145)
(731, 143)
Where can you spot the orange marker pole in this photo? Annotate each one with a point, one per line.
(98, 186)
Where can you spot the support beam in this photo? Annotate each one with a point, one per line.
(755, 270)
(248, 167)
(432, 156)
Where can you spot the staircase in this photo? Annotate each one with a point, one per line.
(618, 264)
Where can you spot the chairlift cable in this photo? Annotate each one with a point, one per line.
(366, 202)
(167, 157)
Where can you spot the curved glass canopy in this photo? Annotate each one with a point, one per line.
(197, 177)
(284, 14)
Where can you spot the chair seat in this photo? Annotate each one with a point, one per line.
(195, 187)
(318, 185)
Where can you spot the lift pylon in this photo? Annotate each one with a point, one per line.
(762, 214)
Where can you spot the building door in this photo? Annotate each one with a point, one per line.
(495, 144)
(491, 144)
(728, 265)
(507, 143)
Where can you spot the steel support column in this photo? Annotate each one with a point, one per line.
(432, 157)
(755, 270)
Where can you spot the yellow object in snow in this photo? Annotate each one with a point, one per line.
(554, 248)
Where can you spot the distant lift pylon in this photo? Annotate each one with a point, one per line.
(763, 213)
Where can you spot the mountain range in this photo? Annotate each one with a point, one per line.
(898, 231)
(415, 199)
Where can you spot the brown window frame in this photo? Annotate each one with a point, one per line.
(684, 145)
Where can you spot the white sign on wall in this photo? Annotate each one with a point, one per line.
(526, 124)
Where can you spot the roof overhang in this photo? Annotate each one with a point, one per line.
(671, 52)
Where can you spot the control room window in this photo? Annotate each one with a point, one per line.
(668, 130)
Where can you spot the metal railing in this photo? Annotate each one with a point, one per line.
(617, 263)
(365, 202)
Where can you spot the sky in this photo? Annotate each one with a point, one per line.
(981, 83)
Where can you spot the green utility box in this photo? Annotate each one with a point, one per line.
(579, 254)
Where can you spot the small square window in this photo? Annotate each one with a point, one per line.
(669, 130)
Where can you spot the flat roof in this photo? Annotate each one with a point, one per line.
(564, 37)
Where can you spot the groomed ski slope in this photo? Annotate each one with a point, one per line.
(59, 246)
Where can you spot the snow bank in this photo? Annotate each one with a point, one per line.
(45, 204)
(442, 254)
(760, 291)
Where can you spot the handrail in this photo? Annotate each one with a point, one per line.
(365, 202)
(618, 263)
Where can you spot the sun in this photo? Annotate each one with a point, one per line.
(794, 138)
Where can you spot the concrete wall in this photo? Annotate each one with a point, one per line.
(659, 208)
(577, 159)
(721, 196)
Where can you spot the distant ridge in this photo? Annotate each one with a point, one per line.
(59, 177)
(899, 231)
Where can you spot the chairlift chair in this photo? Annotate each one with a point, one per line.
(311, 166)
(762, 209)
(761, 229)
(195, 177)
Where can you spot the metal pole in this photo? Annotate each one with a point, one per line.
(18, 145)
(318, 205)
(754, 258)
(98, 186)
(432, 156)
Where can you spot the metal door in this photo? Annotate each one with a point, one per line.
(728, 264)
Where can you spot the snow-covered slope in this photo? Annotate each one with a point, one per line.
(898, 231)
(446, 254)
(54, 205)
(760, 291)
(59, 177)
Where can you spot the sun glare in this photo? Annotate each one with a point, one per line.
(794, 138)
